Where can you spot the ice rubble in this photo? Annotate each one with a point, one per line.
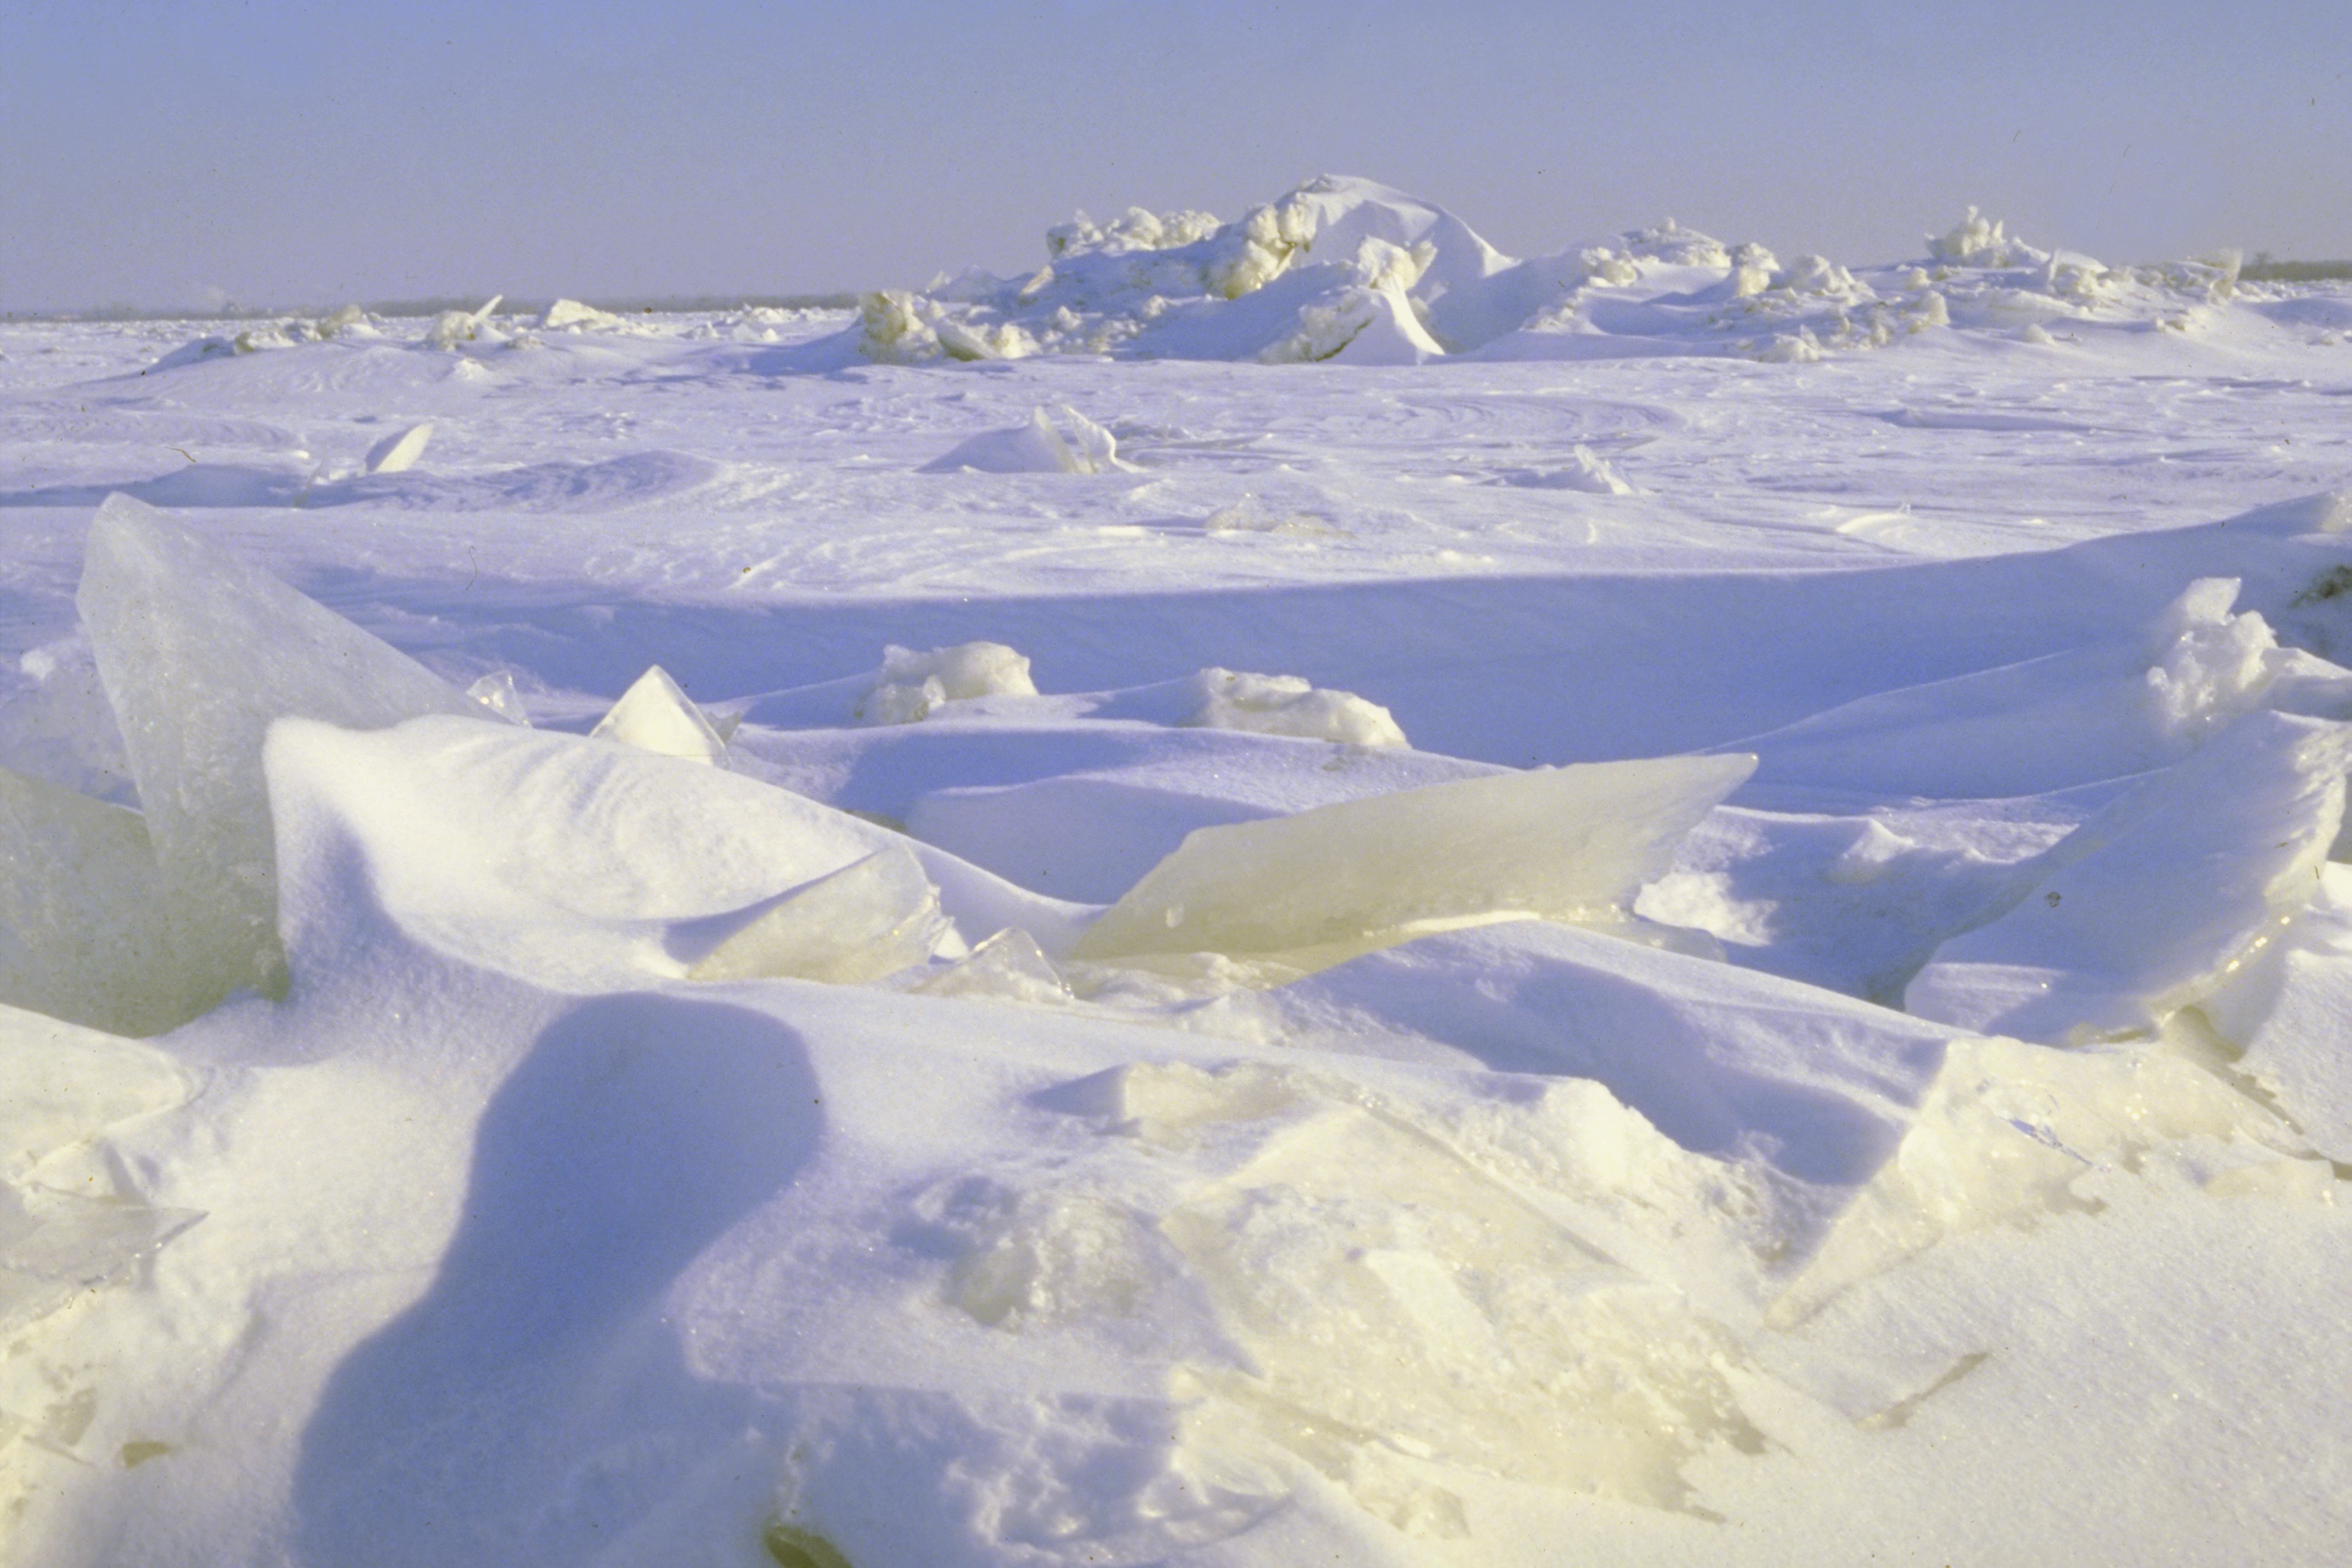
(1569, 844)
(912, 686)
(1289, 705)
(1346, 270)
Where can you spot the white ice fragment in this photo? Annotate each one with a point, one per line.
(655, 715)
(868, 919)
(495, 691)
(199, 653)
(574, 315)
(397, 454)
(83, 935)
(1570, 843)
(1592, 474)
(2151, 902)
(1008, 967)
(67, 1085)
(1287, 705)
(911, 685)
(1076, 445)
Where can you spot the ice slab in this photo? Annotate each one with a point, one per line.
(1007, 967)
(83, 929)
(655, 715)
(61, 729)
(199, 651)
(2289, 1012)
(868, 919)
(1289, 705)
(1569, 844)
(67, 1084)
(398, 453)
(2148, 904)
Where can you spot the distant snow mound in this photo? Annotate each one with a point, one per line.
(1345, 270)
(1076, 445)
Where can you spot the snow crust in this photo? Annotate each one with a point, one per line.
(1028, 1064)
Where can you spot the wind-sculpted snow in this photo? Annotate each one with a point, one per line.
(1200, 979)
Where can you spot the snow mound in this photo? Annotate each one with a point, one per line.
(1289, 705)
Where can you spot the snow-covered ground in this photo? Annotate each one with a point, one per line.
(1295, 893)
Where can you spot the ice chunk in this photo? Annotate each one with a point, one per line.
(2145, 907)
(66, 1085)
(199, 652)
(398, 453)
(655, 715)
(1570, 843)
(1287, 705)
(495, 691)
(911, 686)
(451, 328)
(574, 315)
(1076, 446)
(83, 935)
(1009, 967)
(868, 919)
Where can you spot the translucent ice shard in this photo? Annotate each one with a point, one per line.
(199, 653)
(83, 935)
(67, 1084)
(859, 924)
(2151, 903)
(55, 1245)
(1569, 844)
(656, 715)
(1008, 967)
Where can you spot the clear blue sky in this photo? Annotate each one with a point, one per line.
(165, 151)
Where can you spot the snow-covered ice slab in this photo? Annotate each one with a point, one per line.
(871, 918)
(200, 652)
(2148, 905)
(1569, 844)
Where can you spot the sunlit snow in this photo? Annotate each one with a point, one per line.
(1266, 892)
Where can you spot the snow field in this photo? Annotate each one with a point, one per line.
(1828, 1040)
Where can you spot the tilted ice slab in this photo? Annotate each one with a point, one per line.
(587, 866)
(2289, 1010)
(2147, 906)
(1569, 844)
(200, 652)
(83, 929)
(653, 715)
(2064, 719)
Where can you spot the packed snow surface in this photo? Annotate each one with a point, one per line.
(1682, 907)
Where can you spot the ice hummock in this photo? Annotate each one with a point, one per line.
(200, 653)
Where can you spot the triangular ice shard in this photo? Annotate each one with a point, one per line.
(656, 715)
(199, 653)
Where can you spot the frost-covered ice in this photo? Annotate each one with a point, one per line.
(882, 937)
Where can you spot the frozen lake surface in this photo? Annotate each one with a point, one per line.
(1291, 892)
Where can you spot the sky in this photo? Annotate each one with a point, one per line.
(188, 153)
